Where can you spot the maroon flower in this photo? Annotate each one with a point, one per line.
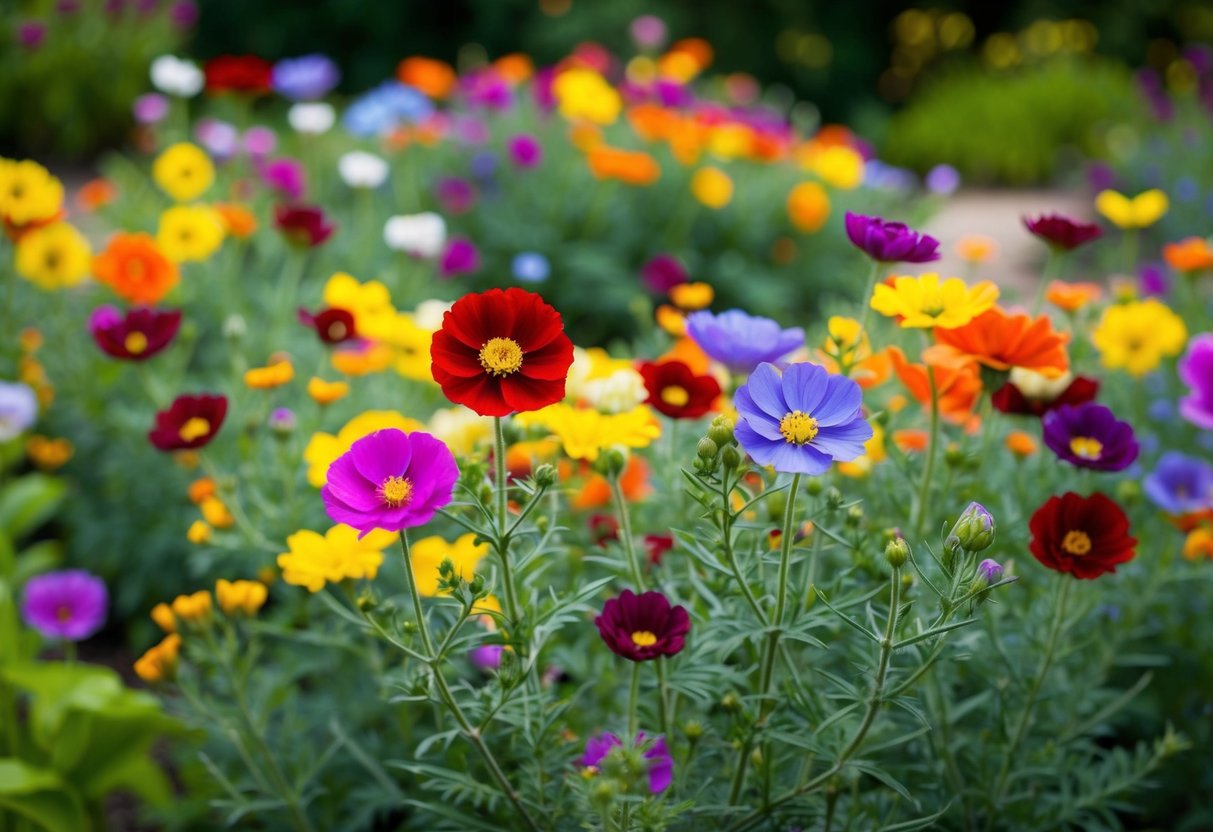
(1085, 536)
(303, 225)
(334, 326)
(676, 391)
(1062, 232)
(135, 336)
(1010, 399)
(603, 529)
(663, 273)
(189, 423)
(238, 73)
(657, 545)
(643, 627)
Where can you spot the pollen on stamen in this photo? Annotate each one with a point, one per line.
(396, 491)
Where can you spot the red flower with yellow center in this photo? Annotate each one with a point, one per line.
(1084, 536)
(189, 423)
(643, 627)
(675, 390)
(334, 326)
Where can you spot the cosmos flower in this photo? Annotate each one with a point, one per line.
(70, 604)
(1196, 371)
(1032, 394)
(890, 242)
(1083, 536)
(1062, 232)
(643, 627)
(1090, 436)
(189, 423)
(54, 256)
(1136, 336)
(136, 336)
(1180, 484)
(741, 341)
(18, 409)
(660, 761)
(305, 226)
(675, 390)
(334, 326)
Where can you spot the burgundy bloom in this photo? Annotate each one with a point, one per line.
(189, 423)
(1010, 399)
(303, 225)
(69, 605)
(663, 273)
(890, 242)
(334, 326)
(603, 529)
(238, 73)
(657, 545)
(31, 33)
(643, 627)
(1062, 232)
(1084, 536)
(459, 257)
(1090, 436)
(661, 764)
(676, 391)
(135, 336)
(525, 151)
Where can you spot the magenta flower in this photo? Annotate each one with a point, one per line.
(890, 242)
(661, 764)
(1061, 232)
(135, 336)
(285, 177)
(456, 196)
(1090, 436)
(1196, 371)
(643, 627)
(525, 151)
(390, 480)
(663, 273)
(150, 108)
(69, 605)
(459, 257)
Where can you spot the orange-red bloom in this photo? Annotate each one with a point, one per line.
(1001, 341)
(134, 267)
(1070, 297)
(958, 388)
(1189, 255)
(433, 77)
(632, 167)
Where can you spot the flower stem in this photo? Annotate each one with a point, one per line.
(866, 303)
(1046, 277)
(625, 532)
(500, 493)
(924, 489)
(663, 696)
(634, 704)
(415, 596)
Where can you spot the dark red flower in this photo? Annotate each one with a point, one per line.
(1062, 232)
(135, 336)
(657, 545)
(643, 627)
(1085, 536)
(334, 326)
(676, 391)
(501, 352)
(189, 423)
(303, 225)
(238, 73)
(603, 529)
(1010, 399)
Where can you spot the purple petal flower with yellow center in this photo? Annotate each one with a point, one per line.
(1090, 436)
(740, 341)
(800, 421)
(643, 627)
(656, 754)
(1196, 371)
(68, 605)
(390, 480)
(890, 242)
(1180, 484)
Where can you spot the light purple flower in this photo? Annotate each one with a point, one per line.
(285, 176)
(741, 341)
(221, 139)
(990, 571)
(1196, 371)
(390, 480)
(305, 79)
(459, 257)
(259, 142)
(1180, 484)
(486, 657)
(69, 605)
(648, 31)
(150, 108)
(525, 151)
(943, 179)
(18, 409)
(661, 764)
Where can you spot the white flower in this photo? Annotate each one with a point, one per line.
(311, 118)
(176, 76)
(429, 314)
(422, 235)
(461, 429)
(620, 391)
(360, 169)
(1037, 387)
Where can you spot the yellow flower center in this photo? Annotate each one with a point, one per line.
(501, 356)
(1076, 542)
(396, 491)
(798, 428)
(195, 428)
(338, 330)
(135, 343)
(1086, 447)
(643, 638)
(675, 396)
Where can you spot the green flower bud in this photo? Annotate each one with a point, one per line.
(545, 475)
(706, 449)
(834, 499)
(974, 531)
(814, 486)
(730, 457)
(854, 517)
(730, 703)
(954, 456)
(897, 552)
(721, 431)
(693, 729)
(366, 601)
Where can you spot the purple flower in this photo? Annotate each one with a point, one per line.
(488, 89)
(890, 242)
(541, 88)
(1196, 371)
(305, 79)
(486, 657)
(183, 14)
(31, 33)
(741, 341)
(18, 409)
(990, 571)
(531, 267)
(648, 31)
(220, 139)
(661, 764)
(260, 142)
(1061, 231)
(1090, 436)
(525, 151)
(69, 605)
(643, 627)
(286, 177)
(800, 422)
(1180, 484)
(663, 273)
(150, 108)
(943, 179)
(459, 257)
(457, 196)
(389, 480)
(282, 421)
(1153, 280)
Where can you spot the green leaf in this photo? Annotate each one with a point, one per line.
(28, 503)
(37, 558)
(39, 795)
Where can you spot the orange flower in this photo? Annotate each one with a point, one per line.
(808, 207)
(362, 361)
(958, 388)
(433, 77)
(237, 220)
(976, 248)
(200, 489)
(698, 49)
(514, 67)
(651, 122)
(1001, 341)
(273, 375)
(689, 353)
(134, 267)
(690, 297)
(327, 392)
(1189, 255)
(911, 441)
(671, 320)
(94, 194)
(1070, 297)
(632, 167)
(1021, 444)
(634, 482)
(1199, 543)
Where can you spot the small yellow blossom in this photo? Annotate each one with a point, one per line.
(183, 171)
(159, 664)
(429, 553)
(48, 454)
(582, 94)
(216, 513)
(240, 597)
(691, 297)
(162, 614)
(585, 433)
(1136, 336)
(53, 256)
(199, 532)
(338, 554)
(326, 392)
(189, 233)
(712, 187)
(273, 375)
(927, 301)
(1140, 211)
(194, 611)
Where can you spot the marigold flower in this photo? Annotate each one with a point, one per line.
(927, 301)
(582, 94)
(162, 614)
(323, 448)
(136, 336)
(675, 390)
(238, 221)
(632, 167)
(1090, 436)
(1020, 443)
(240, 597)
(633, 482)
(1071, 297)
(29, 194)
(339, 554)
(1199, 543)
(48, 454)
(1136, 336)
(428, 554)
(190, 422)
(514, 67)
(273, 375)
(671, 320)
(584, 433)
(1191, 254)
(1000, 341)
(183, 171)
(1140, 211)
(1084, 536)
(135, 268)
(53, 256)
(189, 233)
(1061, 232)
(199, 533)
(194, 610)
(216, 513)
(159, 664)
(712, 187)
(326, 392)
(643, 627)
(433, 77)
(808, 207)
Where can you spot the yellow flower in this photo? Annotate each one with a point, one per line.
(189, 233)
(462, 430)
(159, 663)
(839, 166)
(1199, 543)
(671, 320)
(926, 301)
(193, 610)
(199, 532)
(606, 383)
(1140, 211)
(48, 454)
(808, 206)
(240, 597)
(216, 514)
(364, 359)
(584, 94)
(162, 614)
(410, 345)
(183, 171)
(712, 187)
(274, 375)
(873, 453)
(323, 448)
(429, 553)
(370, 303)
(1136, 336)
(690, 297)
(53, 256)
(28, 193)
(585, 433)
(326, 392)
(730, 140)
(338, 554)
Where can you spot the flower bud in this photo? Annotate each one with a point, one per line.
(693, 730)
(814, 486)
(990, 571)
(235, 327)
(974, 531)
(954, 456)
(730, 457)
(834, 499)
(721, 431)
(366, 602)
(730, 703)
(897, 552)
(854, 517)
(282, 422)
(706, 449)
(545, 475)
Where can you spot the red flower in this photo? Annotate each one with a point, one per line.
(643, 627)
(603, 529)
(1085, 536)
(334, 326)
(135, 336)
(189, 423)
(676, 391)
(657, 545)
(1062, 232)
(1010, 399)
(303, 225)
(238, 73)
(501, 352)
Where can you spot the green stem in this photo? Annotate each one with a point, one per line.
(1046, 277)
(422, 625)
(634, 704)
(866, 303)
(625, 532)
(663, 696)
(500, 495)
(924, 489)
